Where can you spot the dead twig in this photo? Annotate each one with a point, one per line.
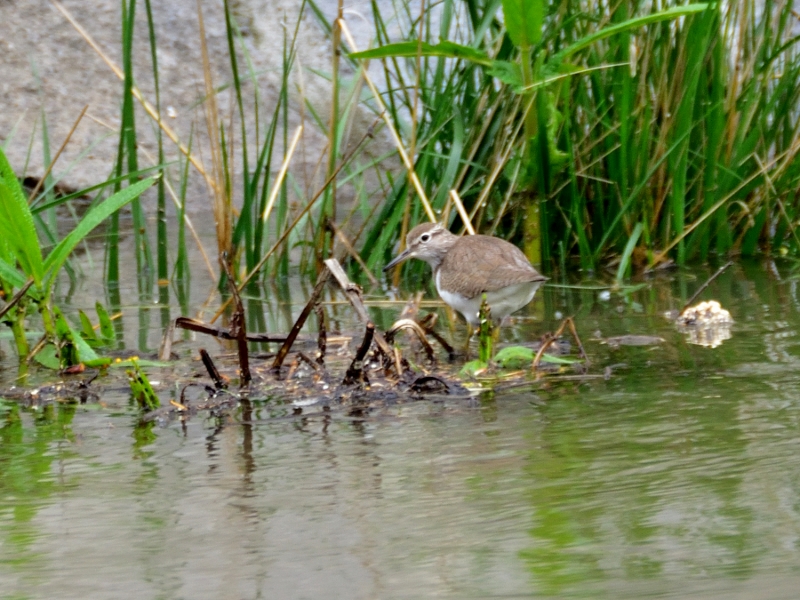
(577, 339)
(355, 373)
(222, 333)
(298, 324)
(322, 334)
(353, 293)
(238, 329)
(211, 369)
(292, 368)
(352, 252)
(416, 328)
(16, 298)
(411, 308)
(550, 338)
(427, 323)
(306, 359)
(700, 290)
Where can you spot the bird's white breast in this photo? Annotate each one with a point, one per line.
(502, 302)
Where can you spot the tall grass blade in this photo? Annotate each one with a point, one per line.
(162, 259)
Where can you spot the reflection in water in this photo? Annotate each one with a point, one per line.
(710, 336)
(32, 451)
(678, 477)
(652, 488)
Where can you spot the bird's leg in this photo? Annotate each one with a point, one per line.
(470, 331)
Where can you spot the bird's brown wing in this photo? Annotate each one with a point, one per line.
(480, 263)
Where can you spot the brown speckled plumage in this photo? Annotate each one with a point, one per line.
(465, 268)
(481, 263)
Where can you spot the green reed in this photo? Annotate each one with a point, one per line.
(676, 133)
(162, 242)
(129, 157)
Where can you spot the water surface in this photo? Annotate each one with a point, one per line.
(677, 477)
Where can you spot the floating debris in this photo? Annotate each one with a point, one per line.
(705, 324)
(632, 340)
(705, 314)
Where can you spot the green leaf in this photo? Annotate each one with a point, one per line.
(523, 20)
(106, 326)
(515, 357)
(67, 348)
(40, 205)
(508, 72)
(74, 349)
(412, 49)
(98, 363)
(92, 219)
(519, 357)
(625, 261)
(16, 223)
(47, 357)
(559, 360)
(672, 13)
(11, 275)
(86, 327)
(128, 362)
(553, 123)
(86, 354)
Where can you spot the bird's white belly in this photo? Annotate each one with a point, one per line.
(502, 302)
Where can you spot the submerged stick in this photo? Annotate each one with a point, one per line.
(427, 323)
(298, 324)
(198, 326)
(577, 338)
(314, 365)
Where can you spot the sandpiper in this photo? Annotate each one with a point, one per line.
(465, 268)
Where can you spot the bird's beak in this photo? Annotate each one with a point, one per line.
(398, 259)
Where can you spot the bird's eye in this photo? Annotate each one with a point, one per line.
(424, 237)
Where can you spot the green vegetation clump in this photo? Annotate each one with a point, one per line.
(28, 273)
